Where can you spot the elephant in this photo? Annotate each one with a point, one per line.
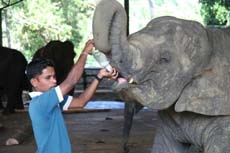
(62, 54)
(175, 66)
(12, 79)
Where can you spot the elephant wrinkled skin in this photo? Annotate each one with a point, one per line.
(180, 68)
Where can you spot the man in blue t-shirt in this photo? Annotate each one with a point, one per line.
(49, 99)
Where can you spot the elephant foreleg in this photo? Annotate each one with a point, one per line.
(14, 88)
(217, 136)
(1, 98)
(19, 101)
(165, 140)
(128, 120)
(130, 110)
(191, 133)
(1, 105)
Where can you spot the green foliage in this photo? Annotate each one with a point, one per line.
(36, 22)
(141, 12)
(159, 2)
(33, 23)
(215, 12)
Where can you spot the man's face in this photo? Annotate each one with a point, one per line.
(45, 81)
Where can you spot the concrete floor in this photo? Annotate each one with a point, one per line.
(95, 131)
(92, 130)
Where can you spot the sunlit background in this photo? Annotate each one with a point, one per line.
(31, 24)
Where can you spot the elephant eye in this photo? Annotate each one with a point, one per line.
(165, 58)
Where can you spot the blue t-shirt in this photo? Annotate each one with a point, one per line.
(49, 128)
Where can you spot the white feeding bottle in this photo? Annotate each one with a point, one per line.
(102, 60)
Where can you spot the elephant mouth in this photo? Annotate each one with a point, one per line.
(122, 80)
(131, 80)
(123, 83)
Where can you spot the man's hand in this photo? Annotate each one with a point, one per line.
(88, 47)
(104, 73)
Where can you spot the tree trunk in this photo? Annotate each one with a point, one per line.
(7, 29)
(151, 8)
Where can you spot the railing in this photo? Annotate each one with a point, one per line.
(87, 78)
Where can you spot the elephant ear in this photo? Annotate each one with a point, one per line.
(209, 93)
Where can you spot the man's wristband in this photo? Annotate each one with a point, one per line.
(99, 79)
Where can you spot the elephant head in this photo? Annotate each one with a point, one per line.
(62, 53)
(166, 59)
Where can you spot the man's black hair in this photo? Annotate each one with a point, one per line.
(36, 66)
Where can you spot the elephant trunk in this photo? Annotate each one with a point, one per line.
(110, 35)
(109, 28)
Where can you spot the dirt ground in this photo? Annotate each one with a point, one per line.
(90, 131)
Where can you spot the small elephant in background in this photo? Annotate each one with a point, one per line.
(62, 54)
(12, 79)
